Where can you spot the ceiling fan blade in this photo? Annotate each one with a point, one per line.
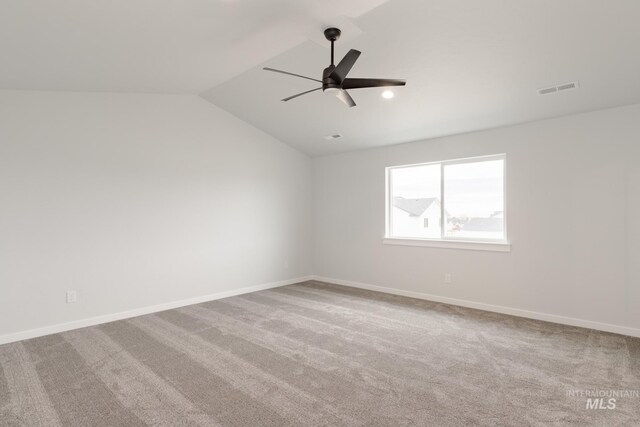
(343, 68)
(300, 94)
(344, 96)
(291, 74)
(363, 83)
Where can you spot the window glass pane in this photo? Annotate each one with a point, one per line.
(474, 200)
(415, 201)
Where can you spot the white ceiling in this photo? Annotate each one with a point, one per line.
(161, 46)
(469, 64)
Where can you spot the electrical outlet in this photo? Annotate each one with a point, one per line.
(72, 296)
(447, 277)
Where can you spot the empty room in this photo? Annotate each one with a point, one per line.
(319, 213)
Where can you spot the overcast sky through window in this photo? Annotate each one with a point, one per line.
(471, 189)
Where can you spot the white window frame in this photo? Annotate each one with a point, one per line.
(500, 245)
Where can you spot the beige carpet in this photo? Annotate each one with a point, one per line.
(317, 354)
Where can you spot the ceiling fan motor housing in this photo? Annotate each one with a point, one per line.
(327, 81)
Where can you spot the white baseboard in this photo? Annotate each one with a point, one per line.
(554, 318)
(83, 323)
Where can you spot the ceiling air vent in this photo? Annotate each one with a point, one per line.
(558, 88)
(333, 137)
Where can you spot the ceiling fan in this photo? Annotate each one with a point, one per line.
(334, 77)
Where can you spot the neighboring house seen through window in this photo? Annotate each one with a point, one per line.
(450, 200)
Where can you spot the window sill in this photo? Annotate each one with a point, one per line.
(450, 244)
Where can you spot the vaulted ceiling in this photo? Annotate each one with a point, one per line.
(469, 65)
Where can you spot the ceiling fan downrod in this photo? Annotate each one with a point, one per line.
(332, 34)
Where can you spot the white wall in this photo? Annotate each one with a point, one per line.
(563, 262)
(137, 200)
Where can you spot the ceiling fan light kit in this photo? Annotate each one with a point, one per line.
(334, 77)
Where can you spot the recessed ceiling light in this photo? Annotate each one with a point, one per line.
(387, 94)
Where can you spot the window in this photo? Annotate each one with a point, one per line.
(456, 200)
